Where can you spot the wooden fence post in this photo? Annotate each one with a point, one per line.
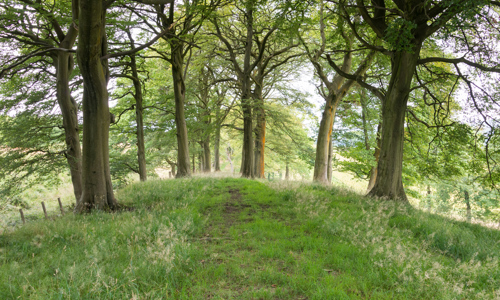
(44, 210)
(60, 206)
(22, 215)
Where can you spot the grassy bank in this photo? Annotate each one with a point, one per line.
(208, 238)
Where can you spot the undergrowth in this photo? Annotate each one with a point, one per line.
(207, 238)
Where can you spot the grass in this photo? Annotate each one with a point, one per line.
(207, 238)
(31, 204)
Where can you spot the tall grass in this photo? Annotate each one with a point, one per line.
(211, 238)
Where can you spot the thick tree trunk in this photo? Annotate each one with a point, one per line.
(207, 159)
(69, 111)
(376, 154)
(180, 121)
(97, 188)
(217, 149)
(64, 64)
(247, 159)
(324, 140)
(141, 149)
(246, 100)
(389, 182)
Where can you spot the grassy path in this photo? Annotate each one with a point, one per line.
(208, 238)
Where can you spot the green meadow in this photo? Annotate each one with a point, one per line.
(228, 238)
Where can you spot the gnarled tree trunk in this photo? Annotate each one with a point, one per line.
(69, 111)
(390, 165)
(97, 188)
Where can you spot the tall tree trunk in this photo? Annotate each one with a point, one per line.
(217, 149)
(64, 64)
(246, 100)
(243, 156)
(207, 163)
(260, 140)
(97, 188)
(376, 154)
(141, 149)
(180, 121)
(389, 182)
(287, 171)
(69, 111)
(324, 140)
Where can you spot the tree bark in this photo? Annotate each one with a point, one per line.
(180, 121)
(69, 111)
(246, 99)
(260, 140)
(390, 165)
(329, 170)
(207, 157)
(217, 149)
(324, 139)
(97, 188)
(376, 154)
(287, 172)
(141, 149)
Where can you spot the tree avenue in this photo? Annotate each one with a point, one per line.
(185, 76)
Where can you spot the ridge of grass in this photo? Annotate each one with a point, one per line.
(206, 238)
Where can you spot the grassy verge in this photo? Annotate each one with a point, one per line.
(208, 238)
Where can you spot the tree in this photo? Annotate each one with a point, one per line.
(130, 71)
(186, 25)
(332, 90)
(92, 46)
(404, 26)
(256, 45)
(51, 37)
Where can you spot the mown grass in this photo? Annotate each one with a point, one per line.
(207, 238)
